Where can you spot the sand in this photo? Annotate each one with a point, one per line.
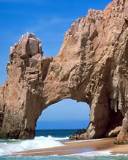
(72, 147)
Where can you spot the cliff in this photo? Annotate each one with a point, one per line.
(91, 67)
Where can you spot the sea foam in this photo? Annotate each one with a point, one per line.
(12, 146)
(93, 153)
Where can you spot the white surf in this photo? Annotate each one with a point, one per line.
(12, 146)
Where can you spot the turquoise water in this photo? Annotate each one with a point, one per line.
(67, 158)
(47, 139)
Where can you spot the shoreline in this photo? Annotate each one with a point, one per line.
(77, 147)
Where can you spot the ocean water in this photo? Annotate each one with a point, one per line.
(47, 139)
(56, 133)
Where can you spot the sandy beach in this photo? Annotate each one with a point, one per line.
(73, 147)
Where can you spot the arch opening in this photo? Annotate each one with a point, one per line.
(63, 119)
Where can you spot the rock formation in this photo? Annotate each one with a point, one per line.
(91, 67)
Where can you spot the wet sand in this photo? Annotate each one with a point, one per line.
(72, 147)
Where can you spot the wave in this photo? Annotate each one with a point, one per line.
(93, 153)
(99, 155)
(11, 146)
(88, 140)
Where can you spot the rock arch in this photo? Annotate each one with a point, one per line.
(90, 67)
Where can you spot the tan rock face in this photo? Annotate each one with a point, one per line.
(90, 67)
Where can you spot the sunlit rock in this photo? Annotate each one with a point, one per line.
(90, 67)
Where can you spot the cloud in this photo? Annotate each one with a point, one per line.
(45, 23)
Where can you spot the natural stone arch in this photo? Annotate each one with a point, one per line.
(41, 82)
(90, 67)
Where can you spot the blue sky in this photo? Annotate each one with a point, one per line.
(66, 114)
(48, 19)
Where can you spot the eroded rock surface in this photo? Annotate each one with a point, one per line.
(90, 67)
